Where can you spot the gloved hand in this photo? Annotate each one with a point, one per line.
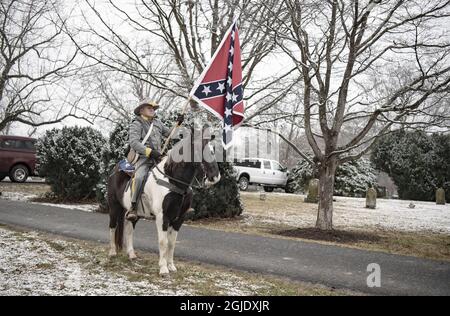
(154, 154)
(180, 119)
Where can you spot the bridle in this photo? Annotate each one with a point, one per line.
(172, 187)
(199, 185)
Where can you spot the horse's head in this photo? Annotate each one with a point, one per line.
(209, 163)
(195, 150)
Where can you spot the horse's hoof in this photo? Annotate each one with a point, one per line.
(172, 267)
(132, 256)
(112, 253)
(164, 272)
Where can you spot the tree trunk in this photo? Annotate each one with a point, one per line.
(215, 28)
(326, 189)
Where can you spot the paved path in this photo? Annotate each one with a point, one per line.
(304, 261)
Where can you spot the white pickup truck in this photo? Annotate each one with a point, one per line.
(268, 173)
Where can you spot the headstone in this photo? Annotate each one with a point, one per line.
(262, 196)
(371, 198)
(313, 191)
(440, 196)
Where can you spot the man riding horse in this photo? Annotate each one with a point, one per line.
(150, 152)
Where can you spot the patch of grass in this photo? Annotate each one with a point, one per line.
(29, 188)
(45, 266)
(291, 203)
(427, 245)
(50, 197)
(135, 277)
(337, 236)
(56, 246)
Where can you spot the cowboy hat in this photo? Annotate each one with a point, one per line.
(144, 103)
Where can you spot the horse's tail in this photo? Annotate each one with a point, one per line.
(118, 235)
(116, 182)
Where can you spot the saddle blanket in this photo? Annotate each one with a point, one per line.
(126, 167)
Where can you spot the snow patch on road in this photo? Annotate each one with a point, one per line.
(81, 207)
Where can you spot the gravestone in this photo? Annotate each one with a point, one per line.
(371, 198)
(313, 191)
(262, 196)
(440, 196)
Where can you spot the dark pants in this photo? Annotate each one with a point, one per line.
(143, 166)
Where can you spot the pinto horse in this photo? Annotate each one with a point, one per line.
(169, 196)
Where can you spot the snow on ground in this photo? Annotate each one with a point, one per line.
(17, 196)
(81, 207)
(20, 196)
(393, 214)
(235, 286)
(30, 266)
(34, 265)
(351, 213)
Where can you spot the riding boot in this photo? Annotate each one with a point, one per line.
(132, 213)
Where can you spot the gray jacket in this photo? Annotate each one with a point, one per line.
(139, 128)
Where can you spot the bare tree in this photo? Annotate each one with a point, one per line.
(183, 34)
(374, 64)
(114, 93)
(33, 62)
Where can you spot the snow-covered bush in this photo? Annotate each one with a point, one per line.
(300, 175)
(352, 178)
(70, 160)
(114, 151)
(418, 163)
(221, 200)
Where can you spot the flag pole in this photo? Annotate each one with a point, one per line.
(174, 128)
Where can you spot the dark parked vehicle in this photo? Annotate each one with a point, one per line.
(17, 157)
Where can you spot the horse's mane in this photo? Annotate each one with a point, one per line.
(170, 165)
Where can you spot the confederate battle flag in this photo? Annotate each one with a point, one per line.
(219, 87)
